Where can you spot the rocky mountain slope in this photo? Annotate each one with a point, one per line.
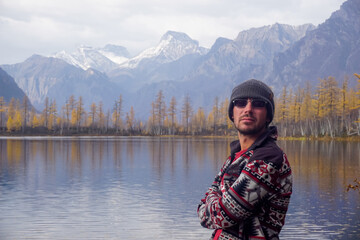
(279, 54)
(103, 59)
(333, 49)
(46, 77)
(9, 88)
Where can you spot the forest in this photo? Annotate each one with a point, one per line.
(330, 109)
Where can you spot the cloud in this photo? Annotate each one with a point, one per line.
(44, 27)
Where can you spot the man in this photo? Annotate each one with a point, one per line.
(250, 195)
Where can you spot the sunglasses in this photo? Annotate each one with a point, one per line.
(242, 102)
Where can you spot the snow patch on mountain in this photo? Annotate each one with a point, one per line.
(172, 46)
(70, 58)
(104, 59)
(115, 53)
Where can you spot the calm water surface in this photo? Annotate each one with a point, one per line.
(149, 188)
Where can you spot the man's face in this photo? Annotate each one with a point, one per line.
(250, 116)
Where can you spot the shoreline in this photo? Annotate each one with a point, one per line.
(323, 138)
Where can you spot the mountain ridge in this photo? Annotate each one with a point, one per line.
(9, 89)
(279, 54)
(53, 78)
(331, 50)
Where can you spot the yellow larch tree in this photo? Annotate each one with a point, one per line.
(80, 112)
(225, 121)
(291, 107)
(343, 107)
(216, 115)
(101, 115)
(320, 97)
(11, 108)
(2, 111)
(10, 124)
(74, 118)
(209, 121)
(17, 120)
(357, 102)
(172, 115)
(68, 108)
(332, 91)
(160, 111)
(117, 114)
(52, 115)
(282, 113)
(186, 113)
(35, 121)
(199, 121)
(306, 110)
(25, 111)
(130, 120)
(92, 115)
(45, 113)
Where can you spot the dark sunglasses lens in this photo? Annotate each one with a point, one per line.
(240, 102)
(258, 103)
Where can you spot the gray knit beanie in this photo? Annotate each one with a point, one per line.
(253, 89)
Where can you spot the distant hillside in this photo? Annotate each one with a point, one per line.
(332, 49)
(103, 59)
(9, 89)
(46, 77)
(279, 54)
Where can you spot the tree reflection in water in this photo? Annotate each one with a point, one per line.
(149, 187)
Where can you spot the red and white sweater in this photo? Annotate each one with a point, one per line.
(250, 195)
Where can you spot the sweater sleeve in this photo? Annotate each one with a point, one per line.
(213, 192)
(256, 181)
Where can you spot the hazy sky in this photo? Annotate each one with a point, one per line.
(48, 26)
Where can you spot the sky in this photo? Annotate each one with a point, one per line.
(45, 27)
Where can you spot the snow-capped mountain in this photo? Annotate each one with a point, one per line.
(170, 60)
(47, 77)
(226, 63)
(279, 54)
(250, 55)
(103, 59)
(115, 53)
(172, 46)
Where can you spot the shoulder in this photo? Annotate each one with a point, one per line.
(269, 152)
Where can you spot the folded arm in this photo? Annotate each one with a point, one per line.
(241, 200)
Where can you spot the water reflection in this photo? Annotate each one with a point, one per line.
(320, 207)
(140, 188)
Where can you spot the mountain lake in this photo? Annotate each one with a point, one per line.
(149, 187)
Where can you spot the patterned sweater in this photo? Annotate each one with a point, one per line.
(250, 195)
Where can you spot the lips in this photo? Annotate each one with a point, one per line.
(247, 119)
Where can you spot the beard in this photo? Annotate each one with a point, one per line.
(254, 130)
(250, 131)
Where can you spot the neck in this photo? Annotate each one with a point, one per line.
(247, 140)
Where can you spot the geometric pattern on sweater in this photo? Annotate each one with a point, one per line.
(224, 235)
(250, 195)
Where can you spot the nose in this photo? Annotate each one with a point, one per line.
(248, 107)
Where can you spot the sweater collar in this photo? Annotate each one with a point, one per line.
(271, 133)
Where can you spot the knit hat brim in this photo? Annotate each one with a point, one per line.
(253, 89)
